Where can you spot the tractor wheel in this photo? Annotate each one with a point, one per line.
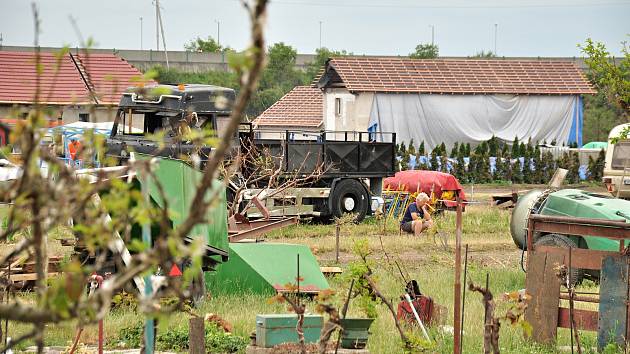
(349, 196)
(577, 274)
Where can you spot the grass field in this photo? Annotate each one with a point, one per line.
(426, 259)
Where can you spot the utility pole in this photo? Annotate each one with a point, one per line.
(157, 25)
(218, 32)
(496, 25)
(320, 34)
(141, 33)
(432, 34)
(162, 32)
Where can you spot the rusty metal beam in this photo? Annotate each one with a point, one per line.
(259, 228)
(612, 229)
(585, 320)
(582, 258)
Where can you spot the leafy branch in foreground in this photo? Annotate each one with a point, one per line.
(102, 207)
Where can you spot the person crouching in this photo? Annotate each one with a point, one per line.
(417, 218)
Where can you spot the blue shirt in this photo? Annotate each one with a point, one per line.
(413, 208)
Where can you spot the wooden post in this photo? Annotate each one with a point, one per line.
(337, 231)
(196, 336)
(458, 285)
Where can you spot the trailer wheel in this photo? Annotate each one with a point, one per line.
(577, 274)
(349, 196)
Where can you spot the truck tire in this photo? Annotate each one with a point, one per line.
(349, 196)
(577, 274)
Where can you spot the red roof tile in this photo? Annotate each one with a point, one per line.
(109, 75)
(60, 82)
(65, 80)
(301, 107)
(457, 76)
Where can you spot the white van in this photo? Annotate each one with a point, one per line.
(617, 167)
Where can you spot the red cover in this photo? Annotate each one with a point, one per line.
(422, 181)
(424, 307)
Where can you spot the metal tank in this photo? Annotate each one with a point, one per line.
(523, 208)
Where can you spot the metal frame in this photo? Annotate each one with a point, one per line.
(575, 258)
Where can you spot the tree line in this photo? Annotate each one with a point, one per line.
(601, 111)
(496, 161)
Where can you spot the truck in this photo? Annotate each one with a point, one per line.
(353, 164)
(616, 176)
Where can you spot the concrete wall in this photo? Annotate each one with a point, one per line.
(196, 62)
(355, 110)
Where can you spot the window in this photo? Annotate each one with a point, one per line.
(621, 156)
(84, 117)
(338, 107)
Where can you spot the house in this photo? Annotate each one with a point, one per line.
(461, 100)
(72, 87)
(299, 110)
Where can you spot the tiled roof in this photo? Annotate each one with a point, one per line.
(109, 75)
(60, 82)
(301, 107)
(68, 79)
(457, 76)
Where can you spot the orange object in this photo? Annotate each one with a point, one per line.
(73, 148)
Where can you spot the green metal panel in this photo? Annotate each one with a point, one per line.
(582, 204)
(595, 145)
(276, 329)
(179, 182)
(613, 310)
(266, 268)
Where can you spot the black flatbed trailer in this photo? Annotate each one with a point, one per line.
(353, 163)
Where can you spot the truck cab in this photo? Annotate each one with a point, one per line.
(170, 111)
(617, 166)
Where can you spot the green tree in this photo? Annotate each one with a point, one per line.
(538, 166)
(435, 166)
(609, 77)
(499, 170)
(517, 171)
(462, 150)
(321, 56)
(504, 150)
(412, 148)
(467, 149)
(421, 148)
(460, 167)
(208, 45)
(515, 147)
(600, 116)
(483, 54)
(442, 149)
(454, 151)
(425, 51)
(493, 146)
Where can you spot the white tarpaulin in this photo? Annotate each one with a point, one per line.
(472, 118)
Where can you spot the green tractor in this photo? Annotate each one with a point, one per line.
(572, 203)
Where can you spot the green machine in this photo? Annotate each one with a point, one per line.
(265, 268)
(251, 267)
(572, 203)
(179, 182)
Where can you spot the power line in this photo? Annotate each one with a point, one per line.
(479, 6)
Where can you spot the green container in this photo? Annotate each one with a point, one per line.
(582, 204)
(355, 332)
(266, 268)
(275, 329)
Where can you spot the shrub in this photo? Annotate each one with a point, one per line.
(217, 341)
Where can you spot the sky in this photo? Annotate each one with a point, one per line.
(461, 27)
